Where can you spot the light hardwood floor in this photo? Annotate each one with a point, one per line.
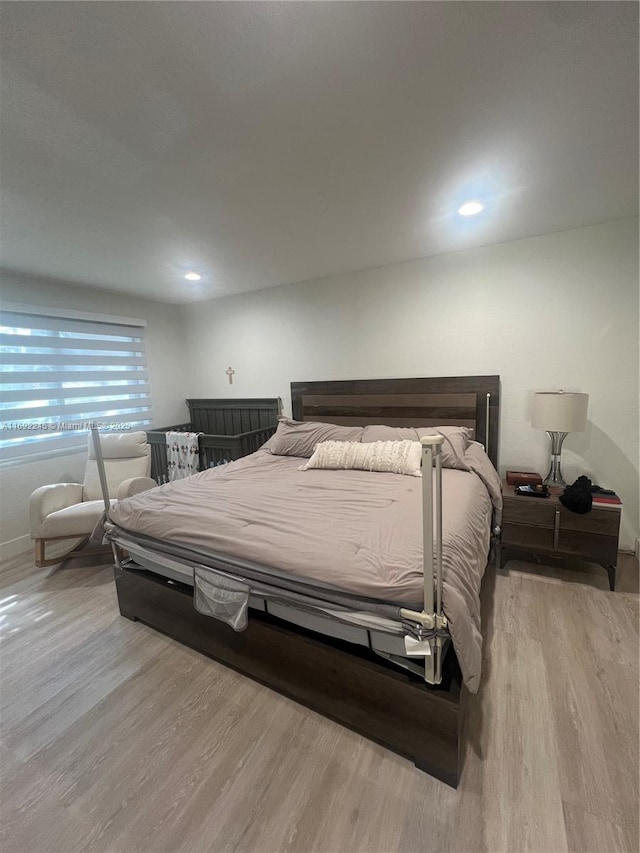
(116, 738)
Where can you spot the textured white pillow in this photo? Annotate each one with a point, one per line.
(396, 457)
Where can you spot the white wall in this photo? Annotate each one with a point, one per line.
(557, 311)
(554, 311)
(165, 352)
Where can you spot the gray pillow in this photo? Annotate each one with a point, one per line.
(456, 440)
(299, 438)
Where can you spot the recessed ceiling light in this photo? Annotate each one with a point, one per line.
(470, 208)
(193, 276)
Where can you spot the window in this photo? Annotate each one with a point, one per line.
(60, 375)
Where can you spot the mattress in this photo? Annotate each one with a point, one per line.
(354, 533)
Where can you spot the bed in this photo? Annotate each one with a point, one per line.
(322, 573)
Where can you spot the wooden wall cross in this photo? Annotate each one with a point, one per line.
(230, 371)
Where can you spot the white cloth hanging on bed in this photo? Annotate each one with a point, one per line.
(183, 455)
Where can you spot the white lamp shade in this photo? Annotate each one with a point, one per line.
(557, 411)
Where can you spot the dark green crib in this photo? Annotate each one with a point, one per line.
(229, 430)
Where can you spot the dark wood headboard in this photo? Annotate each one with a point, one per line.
(432, 401)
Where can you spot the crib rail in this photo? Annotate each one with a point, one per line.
(218, 449)
(232, 417)
(229, 430)
(214, 449)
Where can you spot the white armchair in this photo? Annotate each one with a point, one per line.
(69, 511)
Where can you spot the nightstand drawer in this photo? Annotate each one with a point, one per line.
(588, 546)
(531, 511)
(599, 521)
(527, 535)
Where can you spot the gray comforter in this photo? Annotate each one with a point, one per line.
(357, 531)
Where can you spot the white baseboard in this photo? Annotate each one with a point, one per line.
(13, 547)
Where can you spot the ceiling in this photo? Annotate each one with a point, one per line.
(267, 143)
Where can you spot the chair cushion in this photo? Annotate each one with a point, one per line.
(76, 520)
(120, 445)
(116, 470)
(125, 454)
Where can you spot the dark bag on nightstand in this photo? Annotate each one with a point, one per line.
(577, 496)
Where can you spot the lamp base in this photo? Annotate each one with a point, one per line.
(554, 478)
(555, 481)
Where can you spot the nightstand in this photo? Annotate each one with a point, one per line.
(542, 526)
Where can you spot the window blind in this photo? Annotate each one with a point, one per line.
(59, 376)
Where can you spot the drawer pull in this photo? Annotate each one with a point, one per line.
(556, 530)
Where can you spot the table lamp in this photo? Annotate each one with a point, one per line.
(559, 413)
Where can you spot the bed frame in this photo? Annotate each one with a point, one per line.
(347, 683)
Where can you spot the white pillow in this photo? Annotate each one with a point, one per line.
(396, 457)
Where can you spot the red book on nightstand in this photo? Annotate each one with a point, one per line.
(606, 500)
